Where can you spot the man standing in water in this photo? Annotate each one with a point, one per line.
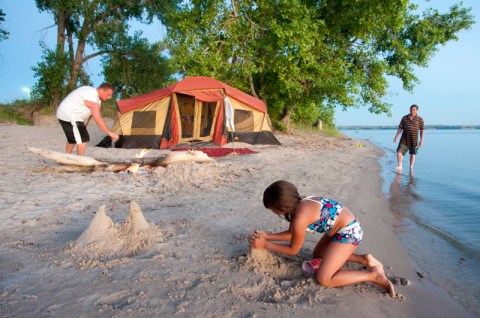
(75, 111)
(410, 124)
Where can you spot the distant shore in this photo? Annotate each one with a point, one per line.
(430, 127)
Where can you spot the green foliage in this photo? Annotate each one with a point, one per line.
(304, 58)
(331, 131)
(98, 25)
(8, 114)
(139, 69)
(3, 34)
(327, 130)
(18, 112)
(51, 76)
(109, 108)
(278, 125)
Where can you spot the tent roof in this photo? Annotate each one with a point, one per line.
(187, 84)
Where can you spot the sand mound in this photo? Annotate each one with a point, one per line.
(99, 229)
(262, 261)
(104, 241)
(186, 174)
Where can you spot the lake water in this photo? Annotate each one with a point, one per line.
(438, 206)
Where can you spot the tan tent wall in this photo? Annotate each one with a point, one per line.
(258, 117)
(161, 109)
(266, 123)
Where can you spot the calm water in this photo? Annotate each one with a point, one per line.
(438, 206)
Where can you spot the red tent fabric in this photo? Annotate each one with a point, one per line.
(188, 86)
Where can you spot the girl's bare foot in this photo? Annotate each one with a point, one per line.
(372, 261)
(381, 280)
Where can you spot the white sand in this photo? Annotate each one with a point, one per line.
(183, 250)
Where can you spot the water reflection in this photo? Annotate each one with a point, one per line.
(403, 193)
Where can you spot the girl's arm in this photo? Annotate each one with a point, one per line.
(296, 235)
(280, 236)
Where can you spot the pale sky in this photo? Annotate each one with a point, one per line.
(447, 95)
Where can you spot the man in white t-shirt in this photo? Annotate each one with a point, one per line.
(75, 110)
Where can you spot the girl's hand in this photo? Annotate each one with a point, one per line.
(257, 242)
(259, 233)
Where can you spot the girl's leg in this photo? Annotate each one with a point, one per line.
(321, 246)
(365, 259)
(330, 273)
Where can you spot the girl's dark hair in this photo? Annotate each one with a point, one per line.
(282, 196)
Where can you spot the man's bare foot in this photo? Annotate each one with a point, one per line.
(382, 280)
(398, 169)
(372, 261)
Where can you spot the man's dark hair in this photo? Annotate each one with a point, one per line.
(106, 86)
(414, 105)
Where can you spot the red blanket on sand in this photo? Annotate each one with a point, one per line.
(218, 152)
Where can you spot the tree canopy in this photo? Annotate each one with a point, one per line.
(304, 57)
(3, 34)
(99, 25)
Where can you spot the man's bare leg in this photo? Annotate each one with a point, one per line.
(81, 149)
(69, 148)
(412, 161)
(399, 159)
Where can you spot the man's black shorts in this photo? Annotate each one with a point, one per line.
(76, 133)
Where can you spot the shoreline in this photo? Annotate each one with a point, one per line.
(414, 200)
(197, 261)
(429, 298)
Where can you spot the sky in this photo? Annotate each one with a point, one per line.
(448, 93)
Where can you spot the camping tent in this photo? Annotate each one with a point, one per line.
(194, 109)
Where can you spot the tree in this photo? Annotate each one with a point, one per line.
(139, 69)
(304, 57)
(3, 34)
(99, 25)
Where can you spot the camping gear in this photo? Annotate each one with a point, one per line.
(195, 109)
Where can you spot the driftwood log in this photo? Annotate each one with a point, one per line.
(76, 163)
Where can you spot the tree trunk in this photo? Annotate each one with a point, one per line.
(61, 26)
(286, 119)
(77, 64)
(77, 61)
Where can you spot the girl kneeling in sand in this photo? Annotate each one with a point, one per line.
(342, 236)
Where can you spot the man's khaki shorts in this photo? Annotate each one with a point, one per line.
(403, 148)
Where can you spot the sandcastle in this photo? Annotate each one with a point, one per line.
(105, 240)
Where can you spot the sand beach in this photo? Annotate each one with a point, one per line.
(173, 241)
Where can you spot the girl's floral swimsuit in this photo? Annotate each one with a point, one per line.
(329, 211)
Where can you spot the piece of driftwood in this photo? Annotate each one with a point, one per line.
(76, 163)
(154, 162)
(67, 159)
(75, 169)
(186, 156)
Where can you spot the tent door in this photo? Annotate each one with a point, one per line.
(196, 118)
(204, 123)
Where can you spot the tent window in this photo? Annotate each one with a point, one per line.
(243, 120)
(144, 119)
(143, 123)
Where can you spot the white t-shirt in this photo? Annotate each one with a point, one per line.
(73, 107)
